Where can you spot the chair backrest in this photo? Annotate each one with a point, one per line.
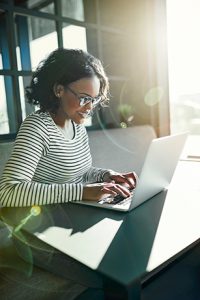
(5, 152)
(120, 149)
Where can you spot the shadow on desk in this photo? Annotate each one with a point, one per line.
(115, 244)
(111, 235)
(119, 246)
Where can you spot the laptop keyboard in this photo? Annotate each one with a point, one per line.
(118, 199)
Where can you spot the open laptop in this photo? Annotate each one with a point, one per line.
(157, 171)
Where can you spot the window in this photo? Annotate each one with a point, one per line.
(184, 65)
(73, 9)
(184, 72)
(26, 39)
(74, 36)
(4, 123)
(114, 31)
(42, 39)
(25, 106)
(36, 38)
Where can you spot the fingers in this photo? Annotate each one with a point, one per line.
(108, 191)
(122, 190)
(114, 189)
(129, 179)
(132, 179)
(97, 191)
(107, 188)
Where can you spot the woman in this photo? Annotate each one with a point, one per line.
(51, 161)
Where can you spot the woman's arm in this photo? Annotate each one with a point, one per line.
(17, 187)
(104, 183)
(95, 175)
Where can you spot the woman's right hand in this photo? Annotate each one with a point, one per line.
(98, 191)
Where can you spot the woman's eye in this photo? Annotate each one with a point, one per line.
(87, 99)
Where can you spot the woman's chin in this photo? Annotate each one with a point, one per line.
(80, 119)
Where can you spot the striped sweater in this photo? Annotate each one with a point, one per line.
(45, 167)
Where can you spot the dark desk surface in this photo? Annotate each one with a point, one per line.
(123, 246)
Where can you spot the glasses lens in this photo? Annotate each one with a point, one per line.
(87, 99)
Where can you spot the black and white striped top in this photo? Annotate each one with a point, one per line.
(45, 167)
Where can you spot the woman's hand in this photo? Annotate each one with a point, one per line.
(98, 191)
(128, 180)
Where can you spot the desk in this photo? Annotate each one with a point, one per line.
(124, 247)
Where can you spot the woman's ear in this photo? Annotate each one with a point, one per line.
(58, 90)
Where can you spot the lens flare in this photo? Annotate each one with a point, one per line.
(35, 210)
(154, 96)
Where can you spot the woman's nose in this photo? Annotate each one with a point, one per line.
(89, 105)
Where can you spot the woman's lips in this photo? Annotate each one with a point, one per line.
(84, 114)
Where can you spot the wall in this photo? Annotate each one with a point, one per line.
(137, 62)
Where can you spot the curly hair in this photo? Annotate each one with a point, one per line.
(64, 66)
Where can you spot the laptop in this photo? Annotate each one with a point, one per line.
(156, 174)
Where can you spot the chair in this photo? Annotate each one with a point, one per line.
(5, 152)
(122, 150)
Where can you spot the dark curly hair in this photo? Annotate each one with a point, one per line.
(64, 66)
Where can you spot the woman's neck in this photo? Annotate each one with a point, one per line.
(60, 120)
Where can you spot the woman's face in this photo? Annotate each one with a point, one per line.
(69, 99)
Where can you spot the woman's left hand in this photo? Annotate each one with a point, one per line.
(127, 179)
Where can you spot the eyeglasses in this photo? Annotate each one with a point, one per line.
(86, 99)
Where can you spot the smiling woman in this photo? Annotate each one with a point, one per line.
(77, 105)
(51, 161)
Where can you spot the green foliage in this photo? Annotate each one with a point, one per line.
(126, 113)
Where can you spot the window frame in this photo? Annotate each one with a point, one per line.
(98, 29)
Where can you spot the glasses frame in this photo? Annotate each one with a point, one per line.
(84, 100)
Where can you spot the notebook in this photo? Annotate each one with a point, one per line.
(156, 174)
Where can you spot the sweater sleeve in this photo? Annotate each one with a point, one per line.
(94, 175)
(17, 187)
